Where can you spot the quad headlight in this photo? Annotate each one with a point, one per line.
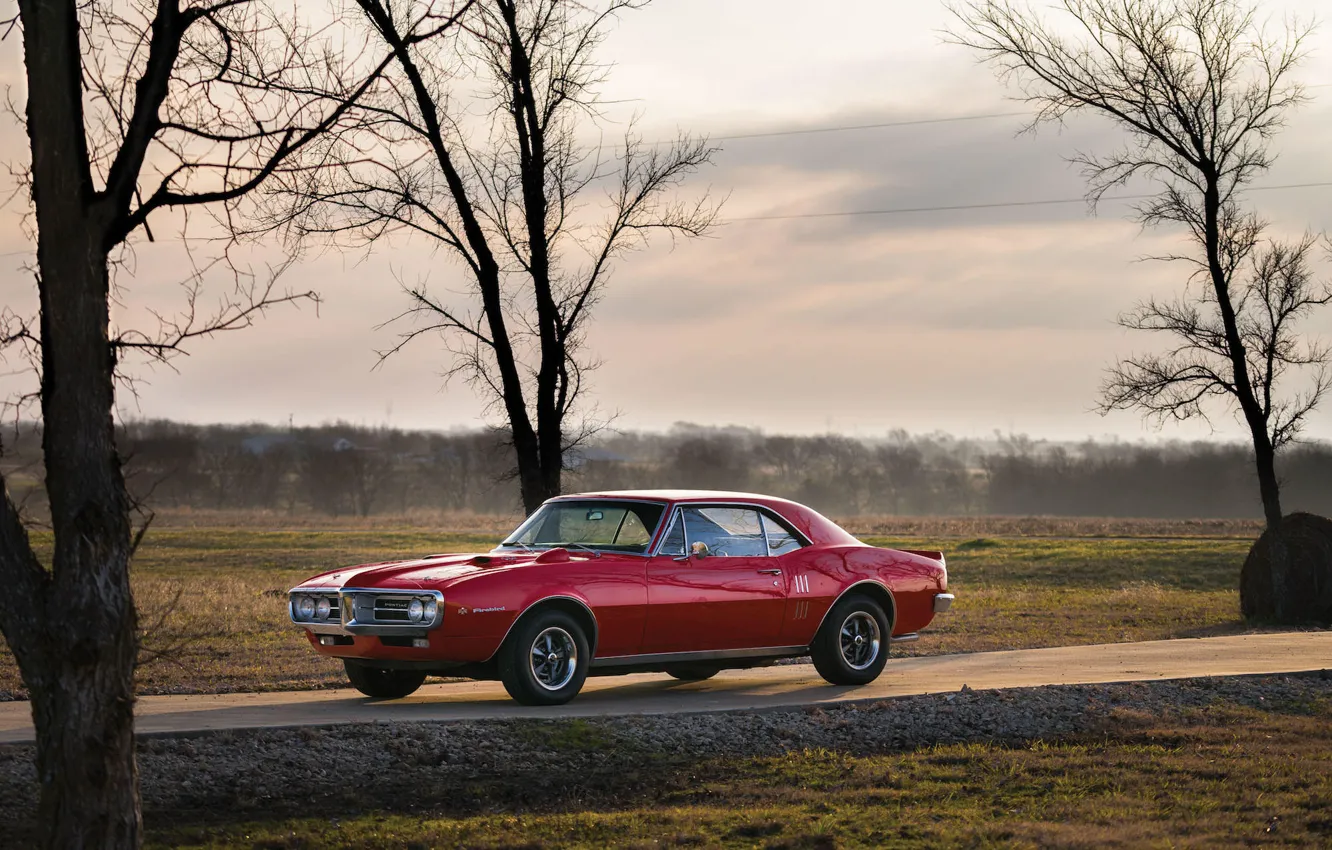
(323, 608)
(305, 607)
(416, 610)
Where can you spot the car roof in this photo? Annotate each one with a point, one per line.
(814, 525)
(676, 496)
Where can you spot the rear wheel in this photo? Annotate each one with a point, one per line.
(852, 646)
(380, 683)
(544, 661)
(692, 672)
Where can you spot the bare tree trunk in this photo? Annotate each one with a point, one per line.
(78, 655)
(1264, 452)
(543, 481)
(83, 706)
(1268, 484)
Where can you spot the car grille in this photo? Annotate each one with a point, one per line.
(353, 608)
(391, 609)
(380, 609)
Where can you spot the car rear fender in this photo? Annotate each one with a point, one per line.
(874, 590)
(572, 605)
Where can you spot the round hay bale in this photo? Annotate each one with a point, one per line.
(1305, 576)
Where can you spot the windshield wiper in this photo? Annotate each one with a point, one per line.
(595, 553)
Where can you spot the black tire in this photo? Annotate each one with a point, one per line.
(545, 682)
(852, 662)
(692, 672)
(380, 683)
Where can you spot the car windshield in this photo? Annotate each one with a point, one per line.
(600, 524)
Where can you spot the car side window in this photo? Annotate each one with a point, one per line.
(780, 538)
(726, 532)
(673, 543)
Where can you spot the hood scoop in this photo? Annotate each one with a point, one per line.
(557, 555)
(494, 560)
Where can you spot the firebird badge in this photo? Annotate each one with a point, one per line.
(487, 610)
(462, 610)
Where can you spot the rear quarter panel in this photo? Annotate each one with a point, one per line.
(828, 572)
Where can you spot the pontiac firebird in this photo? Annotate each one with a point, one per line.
(686, 583)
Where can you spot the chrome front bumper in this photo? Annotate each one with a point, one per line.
(942, 602)
(366, 611)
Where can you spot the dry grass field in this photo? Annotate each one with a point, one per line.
(212, 586)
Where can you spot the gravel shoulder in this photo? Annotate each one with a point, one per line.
(465, 767)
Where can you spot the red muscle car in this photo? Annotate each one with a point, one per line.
(683, 582)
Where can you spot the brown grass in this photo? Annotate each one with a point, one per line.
(496, 525)
(1220, 777)
(214, 599)
(1049, 526)
(456, 522)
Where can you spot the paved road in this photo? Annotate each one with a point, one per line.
(767, 687)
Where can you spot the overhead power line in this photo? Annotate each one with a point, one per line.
(996, 205)
(881, 125)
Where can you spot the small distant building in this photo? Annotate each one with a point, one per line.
(261, 444)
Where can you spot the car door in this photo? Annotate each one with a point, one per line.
(712, 585)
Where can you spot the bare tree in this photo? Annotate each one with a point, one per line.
(133, 109)
(1277, 291)
(505, 193)
(1201, 88)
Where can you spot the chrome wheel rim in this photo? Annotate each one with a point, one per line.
(860, 640)
(554, 658)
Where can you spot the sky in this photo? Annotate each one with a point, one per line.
(966, 321)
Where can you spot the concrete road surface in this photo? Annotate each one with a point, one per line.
(767, 687)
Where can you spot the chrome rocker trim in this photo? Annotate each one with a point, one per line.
(724, 655)
(348, 625)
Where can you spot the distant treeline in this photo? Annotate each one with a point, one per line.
(349, 470)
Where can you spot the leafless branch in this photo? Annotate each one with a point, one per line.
(1201, 88)
(508, 197)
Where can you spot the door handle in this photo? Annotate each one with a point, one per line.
(771, 572)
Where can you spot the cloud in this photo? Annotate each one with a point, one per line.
(967, 320)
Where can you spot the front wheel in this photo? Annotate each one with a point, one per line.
(852, 646)
(380, 683)
(545, 660)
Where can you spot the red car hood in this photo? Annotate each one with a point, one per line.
(435, 571)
